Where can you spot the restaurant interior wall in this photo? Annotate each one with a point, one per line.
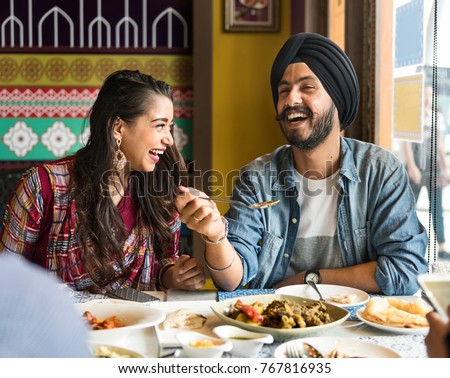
(243, 113)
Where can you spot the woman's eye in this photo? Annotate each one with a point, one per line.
(161, 127)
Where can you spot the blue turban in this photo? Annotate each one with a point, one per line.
(331, 66)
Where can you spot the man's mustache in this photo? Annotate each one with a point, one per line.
(294, 109)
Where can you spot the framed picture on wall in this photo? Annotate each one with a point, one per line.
(252, 15)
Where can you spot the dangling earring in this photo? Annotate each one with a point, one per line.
(119, 160)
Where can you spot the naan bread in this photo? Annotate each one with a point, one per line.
(396, 312)
(183, 318)
(343, 298)
(416, 307)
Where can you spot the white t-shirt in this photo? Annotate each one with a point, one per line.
(317, 245)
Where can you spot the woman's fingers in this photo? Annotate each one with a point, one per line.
(190, 274)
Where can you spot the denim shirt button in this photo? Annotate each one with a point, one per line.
(286, 255)
(294, 220)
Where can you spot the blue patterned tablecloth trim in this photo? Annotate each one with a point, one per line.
(353, 311)
(223, 295)
(85, 296)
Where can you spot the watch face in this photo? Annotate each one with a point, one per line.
(312, 277)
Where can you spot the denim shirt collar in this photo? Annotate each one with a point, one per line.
(348, 166)
(285, 180)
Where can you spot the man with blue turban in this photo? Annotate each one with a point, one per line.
(346, 214)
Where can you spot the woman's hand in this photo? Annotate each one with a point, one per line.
(199, 214)
(188, 273)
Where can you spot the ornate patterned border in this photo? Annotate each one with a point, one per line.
(89, 70)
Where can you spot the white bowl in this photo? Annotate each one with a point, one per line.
(187, 340)
(102, 350)
(245, 343)
(133, 315)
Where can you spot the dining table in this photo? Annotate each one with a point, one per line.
(149, 343)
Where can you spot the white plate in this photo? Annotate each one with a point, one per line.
(327, 291)
(351, 347)
(337, 313)
(398, 330)
(167, 337)
(133, 315)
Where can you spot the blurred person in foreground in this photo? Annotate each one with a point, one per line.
(438, 338)
(346, 214)
(105, 217)
(37, 317)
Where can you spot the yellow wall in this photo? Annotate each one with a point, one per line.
(243, 114)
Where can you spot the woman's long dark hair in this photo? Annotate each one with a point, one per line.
(126, 95)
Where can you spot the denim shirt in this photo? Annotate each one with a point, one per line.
(377, 219)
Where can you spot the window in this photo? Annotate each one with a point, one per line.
(421, 109)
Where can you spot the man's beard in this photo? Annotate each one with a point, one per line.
(320, 129)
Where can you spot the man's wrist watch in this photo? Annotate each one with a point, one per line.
(312, 275)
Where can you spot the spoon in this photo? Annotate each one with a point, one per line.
(314, 286)
(257, 205)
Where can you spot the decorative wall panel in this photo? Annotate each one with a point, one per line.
(55, 55)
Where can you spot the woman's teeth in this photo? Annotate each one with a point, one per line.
(157, 152)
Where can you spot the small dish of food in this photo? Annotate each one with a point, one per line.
(341, 296)
(111, 322)
(198, 345)
(101, 350)
(245, 343)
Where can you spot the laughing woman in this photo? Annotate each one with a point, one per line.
(105, 217)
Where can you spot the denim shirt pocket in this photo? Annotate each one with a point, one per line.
(363, 251)
(268, 259)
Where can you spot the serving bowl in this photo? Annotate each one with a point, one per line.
(222, 308)
(245, 343)
(198, 345)
(132, 316)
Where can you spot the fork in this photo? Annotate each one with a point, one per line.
(292, 350)
(303, 350)
(257, 205)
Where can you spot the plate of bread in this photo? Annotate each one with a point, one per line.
(184, 316)
(402, 315)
